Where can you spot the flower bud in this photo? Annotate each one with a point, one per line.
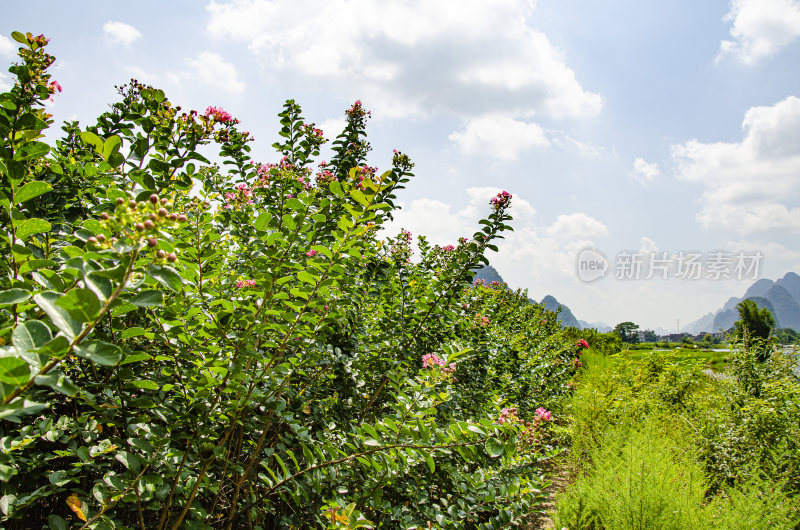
(153, 217)
(132, 204)
(164, 201)
(101, 238)
(139, 227)
(154, 198)
(182, 218)
(92, 240)
(104, 216)
(161, 254)
(172, 217)
(171, 257)
(148, 224)
(152, 242)
(120, 200)
(162, 212)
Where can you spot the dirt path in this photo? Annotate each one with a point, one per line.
(560, 477)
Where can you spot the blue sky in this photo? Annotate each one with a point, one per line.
(647, 127)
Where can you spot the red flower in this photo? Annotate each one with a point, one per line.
(583, 344)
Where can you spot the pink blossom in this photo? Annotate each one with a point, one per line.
(583, 344)
(501, 200)
(241, 284)
(219, 115)
(53, 86)
(448, 248)
(543, 414)
(431, 360)
(508, 415)
(311, 253)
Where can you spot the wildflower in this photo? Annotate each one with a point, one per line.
(583, 344)
(217, 114)
(501, 200)
(431, 360)
(241, 284)
(449, 248)
(53, 86)
(508, 415)
(543, 414)
(311, 253)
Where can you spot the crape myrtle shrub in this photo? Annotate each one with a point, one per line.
(184, 345)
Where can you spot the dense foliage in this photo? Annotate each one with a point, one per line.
(186, 344)
(657, 442)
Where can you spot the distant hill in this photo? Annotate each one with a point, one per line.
(781, 298)
(566, 317)
(601, 327)
(488, 274)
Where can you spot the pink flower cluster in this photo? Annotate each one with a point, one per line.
(448, 248)
(242, 195)
(431, 360)
(41, 40)
(53, 86)
(508, 415)
(482, 320)
(217, 114)
(241, 284)
(357, 111)
(500, 200)
(583, 344)
(543, 414)
(311, 253)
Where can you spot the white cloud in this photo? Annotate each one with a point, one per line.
(752, 185)
(457, 57)
(5, 83)
(213, 70)
(499, 136)
(332, 128)
(531, 255)
(7, 48)
(645, 172)
(648, 245)
(576, 226)
(761, 28)
(121, 33)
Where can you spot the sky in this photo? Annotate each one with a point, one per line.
(652, 148)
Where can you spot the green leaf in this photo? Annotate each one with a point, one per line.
(13, 296)
(14, 371)
(58, 382)
(166, 276)
(28, 227)
(81, 304)
(99, 285)
(30, 335)
(128, 460)
(56, 522)
(262, 221)
(111, 146)
(60, 317)
(31, 150)
(429, 460)
(20, 38)
(305, 276)
(36, 264)
(31, 190)
(150, 298)
(494, 448)
(92, 139)
(7, 470)
(55, 347)
(146, 384)
(100, 352)
(336, 188)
